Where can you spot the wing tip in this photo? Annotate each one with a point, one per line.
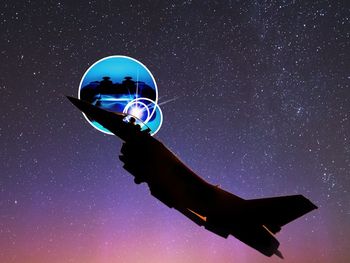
(311, 205)
(279, 254)
(308, 204)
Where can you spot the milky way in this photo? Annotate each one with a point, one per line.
(262, 109)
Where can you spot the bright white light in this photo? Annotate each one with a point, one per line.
(140, 108)
(136, 112)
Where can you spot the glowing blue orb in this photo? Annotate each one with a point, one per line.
(124, 85)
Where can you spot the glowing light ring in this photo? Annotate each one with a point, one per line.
(130, 105)
(156, 110)
(138, 101)
(161, 120)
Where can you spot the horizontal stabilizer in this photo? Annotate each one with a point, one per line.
(276, 212)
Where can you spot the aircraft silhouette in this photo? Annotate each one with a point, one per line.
(254, 222)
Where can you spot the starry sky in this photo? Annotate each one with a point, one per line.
(262, 108)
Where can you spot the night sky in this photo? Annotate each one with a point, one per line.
(262, 108)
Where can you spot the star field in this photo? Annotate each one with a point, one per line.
(262, 109)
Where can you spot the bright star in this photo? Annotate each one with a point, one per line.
(136, 112)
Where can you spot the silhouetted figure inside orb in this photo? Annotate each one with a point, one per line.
(106, 81)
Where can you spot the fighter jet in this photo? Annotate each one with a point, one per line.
(254, 222)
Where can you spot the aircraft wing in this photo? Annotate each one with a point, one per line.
(276, 212)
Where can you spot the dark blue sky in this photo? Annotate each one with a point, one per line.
(263, 110)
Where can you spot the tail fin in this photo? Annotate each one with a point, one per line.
(276, 212)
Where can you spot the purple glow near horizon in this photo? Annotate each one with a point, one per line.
(262, 110)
